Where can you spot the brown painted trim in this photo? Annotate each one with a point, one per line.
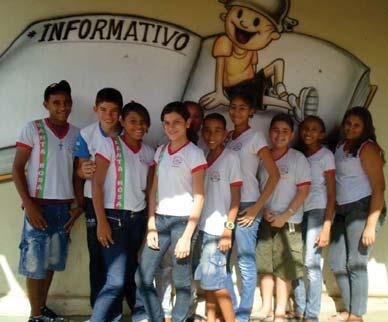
(5, 177)
(371, 95)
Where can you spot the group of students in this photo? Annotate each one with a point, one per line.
(174, 215)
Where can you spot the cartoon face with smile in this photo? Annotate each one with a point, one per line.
(248, 29)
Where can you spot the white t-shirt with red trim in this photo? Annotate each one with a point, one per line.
(321, 163)
(50, 166)
(220, 175)
(126, 179)
(352, 183)
(294, 172)
(175, 171)
(247, 145)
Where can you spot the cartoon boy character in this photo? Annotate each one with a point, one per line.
(251, 25)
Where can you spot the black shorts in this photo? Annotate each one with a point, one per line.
(259, 84)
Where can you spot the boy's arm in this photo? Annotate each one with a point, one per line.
(33, 211)
(78, 205)
(280, 220)
(104, 232)
(182, 249)
(226, 239)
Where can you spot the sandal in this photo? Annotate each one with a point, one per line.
(337, 318)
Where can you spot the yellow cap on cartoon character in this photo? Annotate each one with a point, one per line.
(274, 10)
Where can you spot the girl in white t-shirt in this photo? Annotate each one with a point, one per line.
(251, 147)
(280, 248)
(175, 203)
(119, 187)
(318, 215)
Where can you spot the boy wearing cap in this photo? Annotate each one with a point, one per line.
(251, 25)
(51, 196)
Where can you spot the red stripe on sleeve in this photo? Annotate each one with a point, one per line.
(236, 184)
(330, 171)
(200, 167)
(103, 157)
(306, 183)
(24, 146)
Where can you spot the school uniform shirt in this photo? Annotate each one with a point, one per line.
(88, 141)
(50, 166)
(126, 178)
(175, 171)
(247, 145)
(220, 176)
(352, 183)
(321, 163)
(294, 172)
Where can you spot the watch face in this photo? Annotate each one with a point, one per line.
(229, 225)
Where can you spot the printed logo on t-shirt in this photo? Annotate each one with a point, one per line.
(177, 161)
(283, 169)
(237, 146)
(215, 176)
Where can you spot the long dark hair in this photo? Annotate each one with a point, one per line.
(368, 132)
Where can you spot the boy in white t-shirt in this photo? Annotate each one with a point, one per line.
(280, 248)
(223, 181)
(108, 105)
(47, 190)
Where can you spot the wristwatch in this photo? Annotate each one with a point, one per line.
(229, 225)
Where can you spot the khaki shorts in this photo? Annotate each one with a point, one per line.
(280, 252)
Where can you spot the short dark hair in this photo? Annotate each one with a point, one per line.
(244, 93)
(282, 117)
(54, 88)
(192, 103)
(137, 108)
(314, 118)
(111, 95)
(216, 116)
(177, 107)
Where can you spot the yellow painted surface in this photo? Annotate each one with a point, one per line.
(359, 26)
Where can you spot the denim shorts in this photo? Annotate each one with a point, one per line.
(43, 250)
(211, 270)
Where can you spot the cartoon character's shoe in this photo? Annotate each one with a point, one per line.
(304, 105)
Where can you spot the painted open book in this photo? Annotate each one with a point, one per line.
(154, 62)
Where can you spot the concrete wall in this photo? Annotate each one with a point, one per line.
(359, 26)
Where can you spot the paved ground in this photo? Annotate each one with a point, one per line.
(377, 312)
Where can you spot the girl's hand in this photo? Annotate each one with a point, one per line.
(323, 239)
(249, 216)
(182, 248)
(225, 242)
(268, 216)
(368, 236)
(153, 239)
(104, 234)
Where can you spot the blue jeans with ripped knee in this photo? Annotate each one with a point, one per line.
(43, 250)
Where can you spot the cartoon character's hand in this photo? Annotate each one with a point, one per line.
(213, 100)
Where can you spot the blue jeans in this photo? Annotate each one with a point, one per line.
(120, 262)
(311, 305)
(170, 229)
(348, 257)
(245, 240)
(45, 249)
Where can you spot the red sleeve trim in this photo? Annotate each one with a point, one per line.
(24, 146)
(154, 163)
(236, 184)
(306, 183)
(200, 167)
(103, 157)
(330, 171)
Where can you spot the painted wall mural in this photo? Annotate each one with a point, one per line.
(155, 62)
